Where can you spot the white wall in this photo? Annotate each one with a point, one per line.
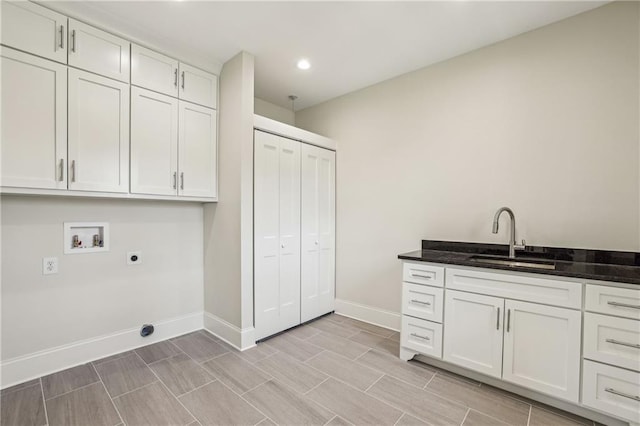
(95, 294)
(228, 229)
(546, 123)
(274, 112)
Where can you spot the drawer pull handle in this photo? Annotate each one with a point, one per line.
(420, 302)
(498, 320)
(508, 320)
(625, 395)
(618, 342)
(73, 41)
(420, 337)
(428, 277)
(623, 305)
(61, 170)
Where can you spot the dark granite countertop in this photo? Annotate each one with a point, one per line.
(616, 266)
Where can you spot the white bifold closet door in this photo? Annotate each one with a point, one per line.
(318, 232)
(276, 233)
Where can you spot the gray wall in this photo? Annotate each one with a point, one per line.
(546, 123)
(95, 294)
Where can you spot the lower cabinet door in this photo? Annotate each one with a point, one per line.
(542, 348)
(473, 331)
(422, 336)
(612, 390)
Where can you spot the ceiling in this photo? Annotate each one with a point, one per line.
(350, 45)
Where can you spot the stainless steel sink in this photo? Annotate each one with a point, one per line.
(514, 263)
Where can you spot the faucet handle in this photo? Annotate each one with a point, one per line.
(520, 246)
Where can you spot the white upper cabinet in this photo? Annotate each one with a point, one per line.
(97, 51)
(198, 86)
(34, 121)
(154, 143)
(34, 29)
(154, 71)
(197, 151)
(98, 133)
(318, 230)
(542, 348)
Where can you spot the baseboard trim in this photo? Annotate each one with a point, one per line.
(21, 369)
(240, 338)
(370, 314)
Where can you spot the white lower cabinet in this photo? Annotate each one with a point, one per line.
(473, 327)
(612, 390)
(34, 121)
(422, 336)
(542, 348)
(98, 143)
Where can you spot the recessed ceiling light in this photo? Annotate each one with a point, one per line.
(304, 64)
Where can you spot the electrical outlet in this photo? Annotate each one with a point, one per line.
(49, 265)
(134, 258)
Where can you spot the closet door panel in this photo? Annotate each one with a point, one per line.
(318, 230)
(276, 234)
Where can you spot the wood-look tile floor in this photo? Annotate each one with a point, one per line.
(333, 371)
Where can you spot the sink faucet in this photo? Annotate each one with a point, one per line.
(512, 237)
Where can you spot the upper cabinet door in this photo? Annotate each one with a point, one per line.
(98, 133)
(154, 71)
(197, 151)
(154, 143)
(97, 51)
(34, 121)
(198, 86)
(34, 29)
(318, 230)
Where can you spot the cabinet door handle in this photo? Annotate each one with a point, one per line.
(175, 179)
(175, 77)
(420, 337)
(625, 395)
(73, 170)
(61, 36)
(182, 80)
(623, 305)
(420, 302)
(181, 180)
(508, 320)
(427, 277)
(498, 320)
(73, 41)
(61, 178)
(618, 342)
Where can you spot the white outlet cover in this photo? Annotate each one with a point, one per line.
(138, 254)
(49, 265)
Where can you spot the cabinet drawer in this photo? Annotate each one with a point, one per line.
(422, 336)
(612, 340)
(519, 287)
(423, 273)
(622, 302)
(612, 390)
(422, 301)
